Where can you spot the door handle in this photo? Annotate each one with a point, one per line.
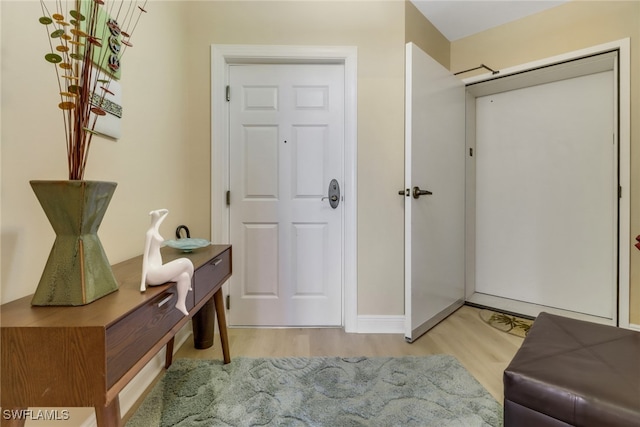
(334, 194)
(417, 192)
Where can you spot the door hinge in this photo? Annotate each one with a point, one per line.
(228, 301)
(619, 192)
(228, 198)
(228, 93)
(470, 152)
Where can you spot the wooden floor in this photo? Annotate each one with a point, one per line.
(484, 351)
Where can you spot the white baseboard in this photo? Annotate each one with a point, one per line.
(380, 325)
(634, 327)
(90, 421)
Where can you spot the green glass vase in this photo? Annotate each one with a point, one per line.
(77, 271)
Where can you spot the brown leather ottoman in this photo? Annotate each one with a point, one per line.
(574, 373)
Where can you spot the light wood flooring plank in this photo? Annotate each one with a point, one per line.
(484, 351)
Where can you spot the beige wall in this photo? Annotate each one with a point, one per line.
(152, 162)
(420, 31)
(163, 159)
(575, 25)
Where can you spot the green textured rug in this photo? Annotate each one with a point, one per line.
(323, 391)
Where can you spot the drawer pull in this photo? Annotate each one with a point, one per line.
(165, 300)
(215, 262)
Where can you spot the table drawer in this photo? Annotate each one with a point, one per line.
(210, 274)
(132, 336)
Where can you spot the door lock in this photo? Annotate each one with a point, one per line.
(417, 192)
(334, 194)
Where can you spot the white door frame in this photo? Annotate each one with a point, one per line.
(624, 165)
(224, 55)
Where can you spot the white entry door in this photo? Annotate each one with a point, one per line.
(286, 147)
(435, 166)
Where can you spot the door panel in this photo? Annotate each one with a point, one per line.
(286, 145)
(261, 252)
(434, 224)
(308, 145)
(310, 249)
(261, 153)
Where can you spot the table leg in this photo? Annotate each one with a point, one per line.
(222, 324)
(109, 416)
(168, 357)
(13, 417)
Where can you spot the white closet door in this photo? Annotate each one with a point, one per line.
(546, 212)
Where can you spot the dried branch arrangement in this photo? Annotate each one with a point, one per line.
(87, 39)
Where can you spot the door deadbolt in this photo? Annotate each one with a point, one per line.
(334, 194)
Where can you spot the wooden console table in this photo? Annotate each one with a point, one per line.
(84, 356)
